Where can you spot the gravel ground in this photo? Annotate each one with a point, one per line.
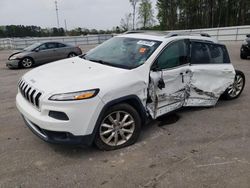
(197, 147)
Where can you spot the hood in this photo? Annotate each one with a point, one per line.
(69, 75)
(18, 54)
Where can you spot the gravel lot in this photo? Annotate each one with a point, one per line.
(197, 147)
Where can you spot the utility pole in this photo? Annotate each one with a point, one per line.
(58, 25)
(65, 24)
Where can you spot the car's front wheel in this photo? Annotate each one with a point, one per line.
(27, 62)
(120, 126)
(234, 90)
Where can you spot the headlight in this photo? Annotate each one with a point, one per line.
(79, 95)
(244, 42)
(13, 58)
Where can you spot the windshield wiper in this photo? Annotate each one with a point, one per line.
(98, 61)
(82, 56)
(109, 64)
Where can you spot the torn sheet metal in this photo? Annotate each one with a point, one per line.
(169, 98)
(199, 85)
(207, 83)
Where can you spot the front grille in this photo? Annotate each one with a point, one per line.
(30, 93)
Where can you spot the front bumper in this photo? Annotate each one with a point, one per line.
(78, 129)
(12, 63)
(245, 49)
(58, 137)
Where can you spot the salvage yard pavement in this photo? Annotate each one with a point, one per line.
(196, 147)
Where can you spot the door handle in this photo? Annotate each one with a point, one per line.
(182, 77)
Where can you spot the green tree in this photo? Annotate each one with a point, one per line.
(145, 14)
(191, 14)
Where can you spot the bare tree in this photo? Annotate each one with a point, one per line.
(126, 22)
(134, 3)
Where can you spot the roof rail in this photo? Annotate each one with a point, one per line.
(152, 32)
(134, 31)
(167, 33)
(174, 34)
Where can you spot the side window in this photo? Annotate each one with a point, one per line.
(60, 45)
(51, 45)
(208, 53)
(42, 47)
(174, 55)
(218, 54)
(200, 53)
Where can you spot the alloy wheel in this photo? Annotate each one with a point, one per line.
(27, 62)
(236, 88)
(117, 128)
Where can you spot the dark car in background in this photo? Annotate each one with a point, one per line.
(40, 53)
(245, 48)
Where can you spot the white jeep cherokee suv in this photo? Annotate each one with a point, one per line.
(104, 96)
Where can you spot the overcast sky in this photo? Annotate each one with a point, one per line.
(99, 14)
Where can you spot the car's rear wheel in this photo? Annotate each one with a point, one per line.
(72, 54)
(27, 62)
(120, 126)
(234, 90)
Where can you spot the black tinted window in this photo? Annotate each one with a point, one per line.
(200, 53)
(206, 53)
(51, 45)
(174, 55)
(60, 45)
(43, 47)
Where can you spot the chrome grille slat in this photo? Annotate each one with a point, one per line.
(31, 94)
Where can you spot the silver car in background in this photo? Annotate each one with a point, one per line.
(40, 53)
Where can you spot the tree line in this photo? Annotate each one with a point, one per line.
(193, 14)
(187, 14)
(171, 15)
(36, 31)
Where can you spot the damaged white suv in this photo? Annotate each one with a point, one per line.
(104, 96)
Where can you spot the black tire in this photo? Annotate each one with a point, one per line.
(131, 137)
(72, 54)
(243, 56)
(226, 95)
(26, 62)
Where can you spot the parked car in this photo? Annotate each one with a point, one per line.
(245, 48)
(105, 96)
(40, 53)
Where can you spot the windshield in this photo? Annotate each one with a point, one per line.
(123, 52)
(32, 47)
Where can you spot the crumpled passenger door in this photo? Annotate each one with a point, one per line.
(169, 78)
(211, 74)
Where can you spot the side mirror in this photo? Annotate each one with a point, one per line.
(161, 84)
(155, 67)
(36, 50)
(248, 35)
